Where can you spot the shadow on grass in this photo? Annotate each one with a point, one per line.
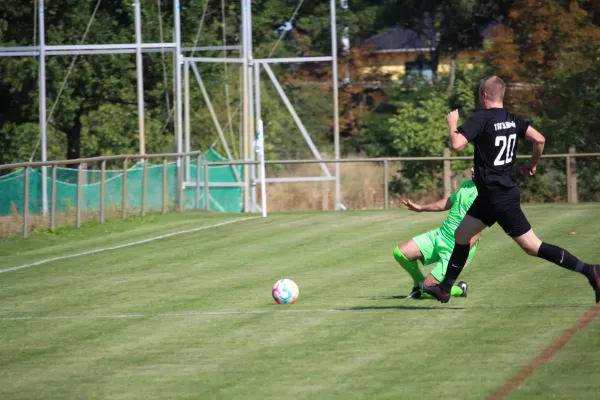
(475, 306)
(424, 307)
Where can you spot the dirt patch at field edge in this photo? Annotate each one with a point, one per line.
(545, 356)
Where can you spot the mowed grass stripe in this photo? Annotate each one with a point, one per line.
(93, 236)
(180, 264)
(389, 348)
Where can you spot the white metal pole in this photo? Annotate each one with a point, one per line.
(251, 121)
(186, 96)
(245, 108)
(140, 74)
(260, 140)
(336, 119)
(252, 132)
(261, 156)
(43, 122)
(177, 73)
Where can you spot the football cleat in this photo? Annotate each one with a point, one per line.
(463, 285)
(415, 293)
(594, 279)
(436, 291)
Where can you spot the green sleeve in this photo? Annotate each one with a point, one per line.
(453, 197)
(466, 184)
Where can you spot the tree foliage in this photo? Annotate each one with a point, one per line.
(419, 129)
(547, 51)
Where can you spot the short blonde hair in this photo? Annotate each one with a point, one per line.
(494, 87)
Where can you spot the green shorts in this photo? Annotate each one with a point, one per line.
(437, 249)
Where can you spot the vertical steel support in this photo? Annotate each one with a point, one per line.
(336, 118)
(43, 124)
(252, 132)
(178, 105)
(53, 200)
(139, 66)
(186, 96)
(260, 138)
(251, 121)
(26, 205)
(102, 190)
(246, 101)
(263, 171)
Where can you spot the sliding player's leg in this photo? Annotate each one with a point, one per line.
(459, 290)
(438, 273)
(422, 248)
(469, 227)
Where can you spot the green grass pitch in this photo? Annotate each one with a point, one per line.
(191, 316)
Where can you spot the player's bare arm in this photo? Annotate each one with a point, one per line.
(440, 205)
(457, 141)
(538, 141)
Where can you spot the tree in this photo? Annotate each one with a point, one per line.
(548, 53)
(457, 24)
(525, 51)
(419, 129)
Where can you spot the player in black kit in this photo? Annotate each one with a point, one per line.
(494, 132)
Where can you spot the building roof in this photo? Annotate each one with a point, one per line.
(422, 37)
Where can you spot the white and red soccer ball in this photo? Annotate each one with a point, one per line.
(285, 291)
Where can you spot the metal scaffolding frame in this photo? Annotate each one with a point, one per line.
(251, 105)
(251, 115)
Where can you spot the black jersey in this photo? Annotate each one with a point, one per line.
(494, 132)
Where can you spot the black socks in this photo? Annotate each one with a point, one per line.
(457, 262)
(563, 258)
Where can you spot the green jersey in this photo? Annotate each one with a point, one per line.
(461, 202)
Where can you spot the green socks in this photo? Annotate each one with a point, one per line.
(455, 291)
(409, 266)
(415, 273)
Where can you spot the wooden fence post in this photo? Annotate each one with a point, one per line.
(325, 195)
(386, 179)
(447, 174)
(53, 200)
(572, 192)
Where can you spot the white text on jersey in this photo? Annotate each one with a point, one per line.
(504, 125)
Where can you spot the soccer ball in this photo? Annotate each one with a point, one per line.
(285, 291)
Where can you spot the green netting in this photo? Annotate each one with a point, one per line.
(225, 199)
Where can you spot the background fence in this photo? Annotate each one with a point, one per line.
(142, 185)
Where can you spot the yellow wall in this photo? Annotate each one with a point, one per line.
(394, 63)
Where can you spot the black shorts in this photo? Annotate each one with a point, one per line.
(503, 207)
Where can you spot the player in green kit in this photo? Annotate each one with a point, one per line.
(436, 246)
